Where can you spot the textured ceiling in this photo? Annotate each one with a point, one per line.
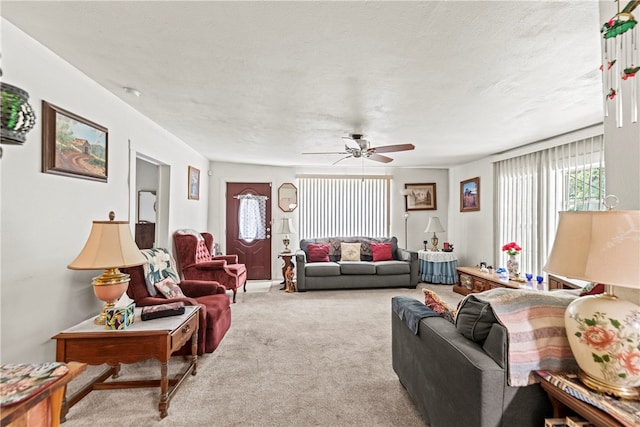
(263, 82)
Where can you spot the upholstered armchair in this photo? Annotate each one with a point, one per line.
(193, 252)
(215, 310)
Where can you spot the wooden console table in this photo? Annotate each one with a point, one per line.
(471, 279)
(157, 339)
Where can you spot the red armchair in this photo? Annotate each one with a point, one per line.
(215, 310)
(193, 251)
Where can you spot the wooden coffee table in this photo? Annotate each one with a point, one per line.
(157, 339)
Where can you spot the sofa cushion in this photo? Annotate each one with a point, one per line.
(169, 289)
(160, 265)
(318, 252)
(381, 251)
(435, 303)
(474, 319)
(365, 249)
(349, 251)
(387, 268)
(322, 269)
(357, 267)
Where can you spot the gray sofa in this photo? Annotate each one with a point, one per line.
(455, 381)
(402, 271)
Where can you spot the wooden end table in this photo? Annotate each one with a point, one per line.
(287, 271)
(565, 404)
(152, 339)
(43, 408)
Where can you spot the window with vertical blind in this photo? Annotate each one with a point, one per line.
(532, 189)
(343, 206)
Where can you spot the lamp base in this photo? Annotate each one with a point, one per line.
(109, 287)
(286, 242)
(604, 335)
(631, 393)
(434, 243)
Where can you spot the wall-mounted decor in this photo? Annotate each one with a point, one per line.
(287, 197)
(72, 145)
(420, 197)
(194, 183)
(16, 115)
(470, 195)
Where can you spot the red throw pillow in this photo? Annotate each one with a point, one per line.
(318, 252)
(381, 251)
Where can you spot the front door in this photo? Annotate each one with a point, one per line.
(249, 227)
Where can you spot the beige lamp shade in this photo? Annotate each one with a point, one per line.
(286, 227)
(110, 245)
(598, 246)
(434, 226)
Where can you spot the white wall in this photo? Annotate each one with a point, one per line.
(46, 218)
(472, 231)
(236, 172)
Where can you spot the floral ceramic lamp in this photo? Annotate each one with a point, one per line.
(603, 330)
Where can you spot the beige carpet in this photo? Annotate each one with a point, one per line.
(319, 358)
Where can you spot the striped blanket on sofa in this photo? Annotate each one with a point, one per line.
(535, 325)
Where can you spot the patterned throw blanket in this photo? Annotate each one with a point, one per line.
(535, 325)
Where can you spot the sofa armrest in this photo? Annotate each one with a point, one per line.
(412, 258)
(301, 260)
(143, 302)
(496, 344)
(199, 288)
(230, 259)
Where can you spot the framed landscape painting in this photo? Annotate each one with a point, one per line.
(73, 145)
(470, 195)
(420, 197)
(194, 183)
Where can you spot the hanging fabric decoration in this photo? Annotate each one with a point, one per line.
(252, 217)
(620, 51)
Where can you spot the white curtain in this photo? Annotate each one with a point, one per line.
(252, 217)
(340, 206)
(531, 189)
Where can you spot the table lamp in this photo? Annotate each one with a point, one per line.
(286, 228)
(109, 247)
(434, 227)
(603, 330)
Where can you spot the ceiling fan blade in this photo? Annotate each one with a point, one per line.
(379, 158)
(330, 152)
(393, 148)
(350, 142)
(339, 160)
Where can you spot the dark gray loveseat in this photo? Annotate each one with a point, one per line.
(402, 271)
(454, 381)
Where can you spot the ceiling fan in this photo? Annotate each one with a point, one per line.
(356, 147)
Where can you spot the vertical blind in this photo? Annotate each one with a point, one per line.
(343, 206)
(531, 189)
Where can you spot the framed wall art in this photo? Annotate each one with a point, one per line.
(72, 145)
(194, 183)
(470, 195)
(420, 197)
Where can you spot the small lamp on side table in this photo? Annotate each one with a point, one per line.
(603, 330)
(109, 247)
(434, 227)
(286, 228)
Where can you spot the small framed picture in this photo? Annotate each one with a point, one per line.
(420, 197)
(194, 183)
(72, 145)
(470, 195)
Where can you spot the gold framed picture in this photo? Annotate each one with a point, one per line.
(194, 184)
(470, 195)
